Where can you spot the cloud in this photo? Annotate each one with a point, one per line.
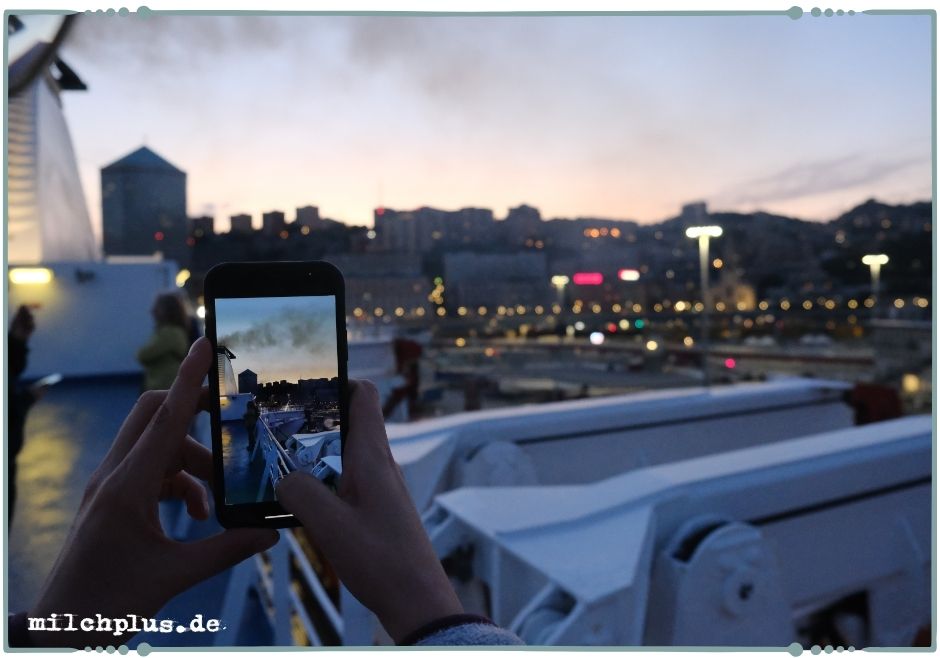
(815, 177)
(289, 330)
(163, 40)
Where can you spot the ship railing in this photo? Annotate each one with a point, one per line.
(282, 577)
(277, 463)
(630, 432)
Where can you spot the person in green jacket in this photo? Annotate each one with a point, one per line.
(162, 355)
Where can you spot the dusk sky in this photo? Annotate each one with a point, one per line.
(623, 117)
(279, 338)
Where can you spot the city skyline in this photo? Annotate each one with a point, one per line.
(356, 113)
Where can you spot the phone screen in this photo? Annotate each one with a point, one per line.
(279, 392)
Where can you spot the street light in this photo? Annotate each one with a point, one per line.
(703, 234)
(874, 262)
(560, 281)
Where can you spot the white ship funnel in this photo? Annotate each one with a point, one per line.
(228, 385)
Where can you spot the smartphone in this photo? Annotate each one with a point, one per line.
(278, 385)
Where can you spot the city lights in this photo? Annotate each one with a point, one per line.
(30, 275)
(688, 341)
(695, 232)
(703, 234)
(588, 279)
(596, 338)
(182, 277)
(560, 280)
(624, 324)
(875, 263)
(652, 345)
(460, 342)
(201, 312)
(628, 275)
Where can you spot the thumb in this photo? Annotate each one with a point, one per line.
(315, 506)
(205, 558)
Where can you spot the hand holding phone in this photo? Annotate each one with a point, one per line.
(116, 560)
(371, 532)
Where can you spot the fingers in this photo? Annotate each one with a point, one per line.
(319, 510)
(137, 421)
(133, 426)
(193, 458)
(205, 558)
(191, 491)
(367, 453)
(158, 445)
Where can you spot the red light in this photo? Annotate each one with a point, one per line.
(611, 327)
(730, 363)
(158, 236)
(190, 241)
(380, 211)
(588, 279)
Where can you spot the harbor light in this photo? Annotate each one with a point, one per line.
(695, 232)
(875, 262)
(597, 338)
(24, 276)
(182, 277)
(703, 234)
(588, 279)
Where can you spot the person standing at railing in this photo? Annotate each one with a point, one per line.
(251, 423)
(369, 529)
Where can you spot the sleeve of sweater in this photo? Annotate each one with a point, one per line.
(164, 341)
(461, 630)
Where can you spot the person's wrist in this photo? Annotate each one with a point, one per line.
(415, 607)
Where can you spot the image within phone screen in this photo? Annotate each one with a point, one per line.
(279, 392)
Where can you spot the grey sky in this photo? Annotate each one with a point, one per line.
(623, 117)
